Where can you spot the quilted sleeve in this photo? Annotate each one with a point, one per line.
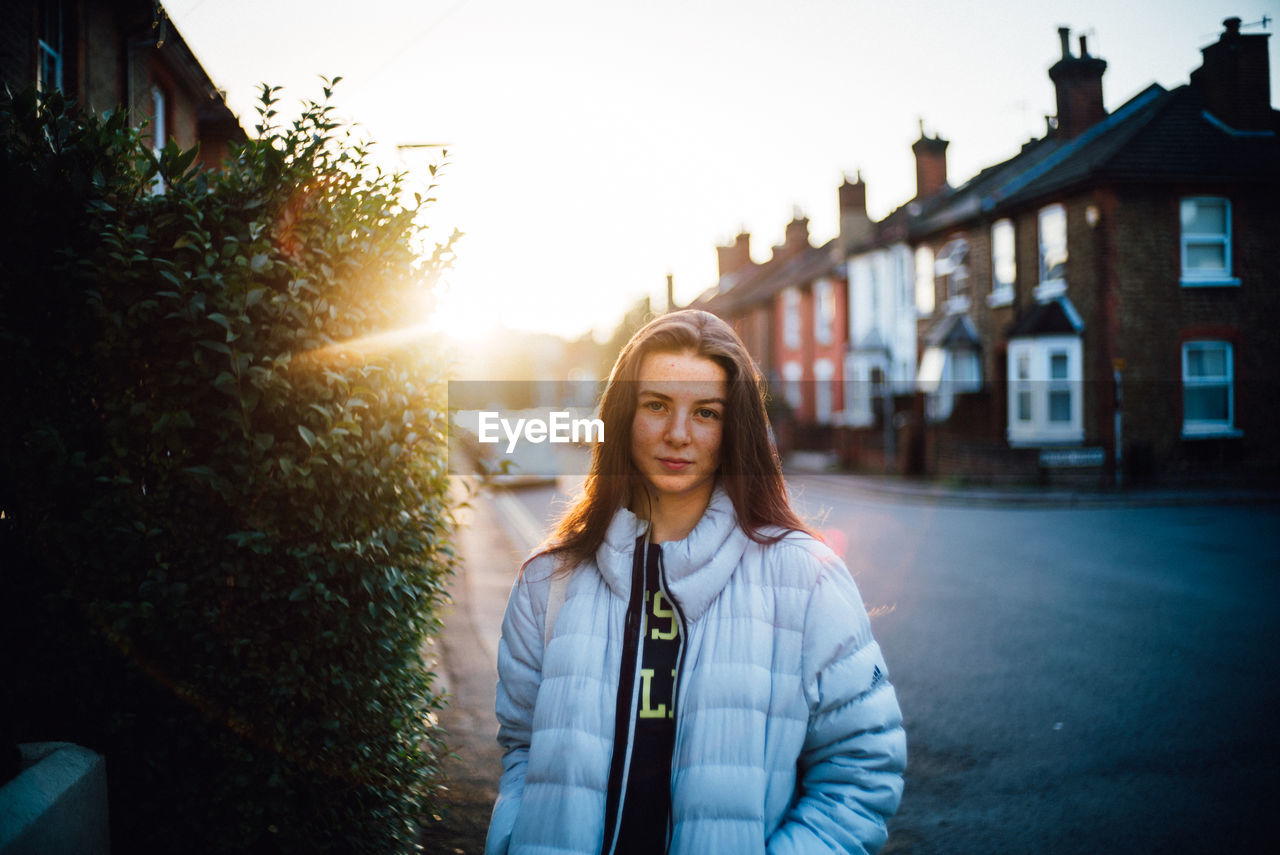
(855, 750)
(519, 675)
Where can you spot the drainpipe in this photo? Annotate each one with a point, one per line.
(1117, 368)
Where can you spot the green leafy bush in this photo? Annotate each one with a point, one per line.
(223, 491)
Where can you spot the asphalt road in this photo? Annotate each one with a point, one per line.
(1074, 680)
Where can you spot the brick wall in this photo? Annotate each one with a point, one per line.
(1156, 314)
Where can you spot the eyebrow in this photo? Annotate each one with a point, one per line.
(652, 393)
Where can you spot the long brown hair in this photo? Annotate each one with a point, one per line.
(749, 472)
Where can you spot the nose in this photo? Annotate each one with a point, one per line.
(678, 428)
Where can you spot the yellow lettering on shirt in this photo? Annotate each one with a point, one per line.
(662, 610)
(647, 710)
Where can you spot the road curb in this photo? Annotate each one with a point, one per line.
(1033, 498)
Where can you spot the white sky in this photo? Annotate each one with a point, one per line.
(596, 145)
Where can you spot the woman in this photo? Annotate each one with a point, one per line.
(684, 668)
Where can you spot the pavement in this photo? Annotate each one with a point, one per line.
(464, 659)
(901, 489)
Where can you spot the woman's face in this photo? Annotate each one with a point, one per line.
(679, 421)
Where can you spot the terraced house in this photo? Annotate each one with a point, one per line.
(1100, 308)
(112, 54)
(1102, 301)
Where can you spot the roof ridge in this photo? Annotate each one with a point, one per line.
(1124, 113)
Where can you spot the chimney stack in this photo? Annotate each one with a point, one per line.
(736, 256)
(797, 237)
(671, 293)
(931, 164)
(855, 225)
(1078, 82)
(1234, 79)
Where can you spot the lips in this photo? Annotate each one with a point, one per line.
(674, 464)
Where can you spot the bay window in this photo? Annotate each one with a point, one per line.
(1045, 380)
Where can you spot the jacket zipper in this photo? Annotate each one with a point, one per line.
(634, 616)
(677, 712)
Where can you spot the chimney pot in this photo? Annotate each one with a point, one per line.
(1234, 79)
(931, 164)
(1064, 34)
(1078, 84)
(736, 256)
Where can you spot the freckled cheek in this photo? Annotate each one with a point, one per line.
(645, 433)
(710, 440)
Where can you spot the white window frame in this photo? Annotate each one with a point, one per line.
(1053, 251)
(857, 390)
(824, 373)
(1004, 263)
(791, 317)
(945, 373)
(1037, 387)
(792, 386)
(47, 53)
(824, 311)
(1187, 239)
(1204, 428)
(925, 297)
(159, 132)
(952, 266)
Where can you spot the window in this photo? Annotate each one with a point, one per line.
(924, 280)
(824, 310)
(159, 135)
(791, 317)
(49, 47)
(857, 390)
(1053, 252)
(1003, 266)
(1208, 389)
(1206, 241)
(792, 388)
(945, 373)
(1022, 390)
(824, 390)
(952, 267)
(1045, 391)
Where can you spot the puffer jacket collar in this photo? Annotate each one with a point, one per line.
(697, 568)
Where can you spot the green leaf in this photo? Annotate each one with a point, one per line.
(307, 436)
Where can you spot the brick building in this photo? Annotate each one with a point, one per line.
(108, 54)
(791, 313)
(1116, 284)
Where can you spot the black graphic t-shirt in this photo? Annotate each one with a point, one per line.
(647, 801)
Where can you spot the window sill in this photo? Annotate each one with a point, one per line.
(1046, 441)
(1219, 282)
(1211, 433)
(1004, 297)
(1046, 291)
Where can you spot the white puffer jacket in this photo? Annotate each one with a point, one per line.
(788, 737)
